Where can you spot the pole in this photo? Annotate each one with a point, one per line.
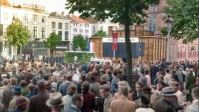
(168, 44)
(113, 54)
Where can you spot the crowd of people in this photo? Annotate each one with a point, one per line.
(98, 87)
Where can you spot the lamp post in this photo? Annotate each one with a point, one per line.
(33, 45)
(169, 22)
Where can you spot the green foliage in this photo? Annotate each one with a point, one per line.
(79, 41)
(81, 56)
(100, 33)
(16, 34)
(185, 15)
(52, 41)
(164, 31)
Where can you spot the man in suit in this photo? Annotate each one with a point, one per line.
(157, 93)
(105, 93)
(115, 80)
(164, 104)
(56, 102)
(37, 102)
(63, 87)
(138, 90)
(194, 106)
(122, 104)
(77, 102)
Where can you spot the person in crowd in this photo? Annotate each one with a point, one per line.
(89, 98)
(63, 87)
(115, 80)
(194, 106)
(94, 86)
(37, 102)
(180, 77)
(49, 88)
(30, 91)
(167, 77)
(157, 93)
(109, 73)
(145, 104)
(17, 91)
(105, 79)
(118, 94)
(56, 102)
(105, 94)
(79, 84)
(138, 90)
(77, 102)
(24, 87)
(21, 105)
(163, 66)
(122, 104)
(190, 85)
(197, 80)
(72, 89)
(164, 104)
(146, 72)
(5, 86)
(142, 78)
(179, 94)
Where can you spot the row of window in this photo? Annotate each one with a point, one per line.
(60, 33)
(81, 25)
(35, 30)
(191, 54)
(25, 17)
(81, 30)
(66, 27)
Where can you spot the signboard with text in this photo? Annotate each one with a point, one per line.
(120, 40)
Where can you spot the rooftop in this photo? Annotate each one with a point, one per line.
(78, 20)
(5, 3)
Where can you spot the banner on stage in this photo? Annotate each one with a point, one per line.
(115, 40)
(120, 40)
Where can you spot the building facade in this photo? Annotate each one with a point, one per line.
(60, 24)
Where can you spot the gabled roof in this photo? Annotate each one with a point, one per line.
(78, 20)
(5, 3)
(91, 19)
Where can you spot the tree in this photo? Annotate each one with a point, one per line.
(17, 35)
(79, 41)
(100, 33)
(185, 15)
(126, 12)
(52, 41)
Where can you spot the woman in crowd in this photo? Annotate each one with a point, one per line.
(72, 89)
(190, 85)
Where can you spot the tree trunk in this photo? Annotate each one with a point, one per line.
(128, 45)
(51, 52)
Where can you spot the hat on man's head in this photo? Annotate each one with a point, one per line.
(145, 99)
(41, 83)
(146, 72)
(146, 90)
(21, 101)
(168, 91)
(142, 70)
(55, 99)
(161, 82)
(17, 89)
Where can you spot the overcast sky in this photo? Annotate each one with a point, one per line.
(50, 5)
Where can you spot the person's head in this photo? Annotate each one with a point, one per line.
(69, 77)
(195, 93)
(92, 78)
(41, 85)
(167, 70)
(104, 90)
(168, 93)
(5, 82)
(85, 87)
(83, 77)
(104, 78)
(138, 86)
(72, 89)
(23, 83)
(114, 74)
(21, 103)
(46, 77)
(123, 83)
(124, 91)
(77, 100)
(147, 90)
(31, 87)
(17, 90)
(160, 85)
(13, 82)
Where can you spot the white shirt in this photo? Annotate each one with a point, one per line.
(144, 110)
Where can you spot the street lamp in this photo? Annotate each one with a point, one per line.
(33, 45)
(169, 22)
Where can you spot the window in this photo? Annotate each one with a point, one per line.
(25, 17)
(66, 35)
(152, 23)
(60, 25)
(34, 31)
(60, 34)
(66, 26)
(35, 18)
(53, 25)
(152, 9)
(74, 30)
(101, 28)
(26, 27)
(43, 19)
(93, 29)
(86, 31)
(43, 30)
(53, 31)
(81, 31)
(5, 16)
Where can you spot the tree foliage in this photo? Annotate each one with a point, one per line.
(185, 15)
(79, 41)
(16, 33)
(100, 33)
(126, 12)
(52, 41)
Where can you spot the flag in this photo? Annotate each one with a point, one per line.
(115, 41)
(91, 47)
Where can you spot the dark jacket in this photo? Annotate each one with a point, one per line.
(38, 102)
(89, 102)
(7, 97)
(63, 88)
(163, 106)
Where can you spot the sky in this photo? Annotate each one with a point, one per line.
(50, 5)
